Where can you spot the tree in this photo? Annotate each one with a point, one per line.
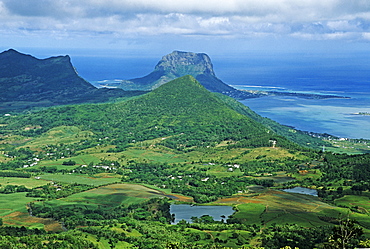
(345, 235)
(365, 244)
(69, 163)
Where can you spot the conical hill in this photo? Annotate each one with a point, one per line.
(182, 112)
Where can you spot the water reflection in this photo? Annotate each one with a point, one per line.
(185, 212)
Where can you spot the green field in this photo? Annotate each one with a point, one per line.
(10, 203)
(80, 160)
(80, 179)
(279, 207)
(58, 135)
(13, 211)
(250, 213)
(113, 195)
(349, 146)
(27, 182)
(108, 196)
(360, 206)
(361, 203)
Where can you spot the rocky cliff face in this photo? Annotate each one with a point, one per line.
(178, 64)
(186, 63)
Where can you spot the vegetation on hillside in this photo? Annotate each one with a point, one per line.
(107, 173)
(182, 112)
(27, 83)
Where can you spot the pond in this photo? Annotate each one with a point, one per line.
(301, 190)
(185, 212)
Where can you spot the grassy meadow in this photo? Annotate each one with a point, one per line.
(58, 135)
(14, 212)
(27, 182)
(103, 179)
(362, 203)
(278, 207)
(113, 195)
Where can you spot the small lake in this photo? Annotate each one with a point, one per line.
(300, 190)
(185, 212)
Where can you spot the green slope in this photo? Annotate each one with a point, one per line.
(182, 110)
(27, 82)
(296, 136)
(181, 115)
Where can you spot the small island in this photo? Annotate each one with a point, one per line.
(257, 93)
(362, 113)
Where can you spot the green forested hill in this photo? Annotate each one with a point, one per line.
(27, 82)
(109, 173)
(183, 111)
(296, 136)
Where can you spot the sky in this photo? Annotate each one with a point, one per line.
(219, 27)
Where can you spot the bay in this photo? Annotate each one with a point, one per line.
(332, 116)
(342, 74)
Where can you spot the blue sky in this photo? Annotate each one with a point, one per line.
(157, 27)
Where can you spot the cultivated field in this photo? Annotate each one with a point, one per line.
(273, 206)
(81, 179)
(13, 211)
(27, 182)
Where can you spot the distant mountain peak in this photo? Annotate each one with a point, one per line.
(43, 82)
(11, 50)
(178, 64)
(175, 65)
(182, 63)
(13, 56)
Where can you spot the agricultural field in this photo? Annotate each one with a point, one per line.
(80, 160)
(109, 173)
(349, 146)
(58, 135)
(111, 195)
(360, 203)
(81, 179)
(11, 203)
(14, 212)
(278, 207)
(27, 182)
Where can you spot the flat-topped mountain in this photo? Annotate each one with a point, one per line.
(44, 82)
(178, 64)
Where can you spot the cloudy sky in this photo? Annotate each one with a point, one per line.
(214, 26)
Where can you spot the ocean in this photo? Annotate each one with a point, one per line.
(342, 74)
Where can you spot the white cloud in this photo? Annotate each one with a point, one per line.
(303, 18)
(343, 25)
(366, 36)
(285, 9)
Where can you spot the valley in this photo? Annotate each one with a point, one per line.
(104, 175)
(258, 203)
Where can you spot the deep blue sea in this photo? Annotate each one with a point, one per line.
(343, 74)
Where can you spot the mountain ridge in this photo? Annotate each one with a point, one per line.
(26, 81)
